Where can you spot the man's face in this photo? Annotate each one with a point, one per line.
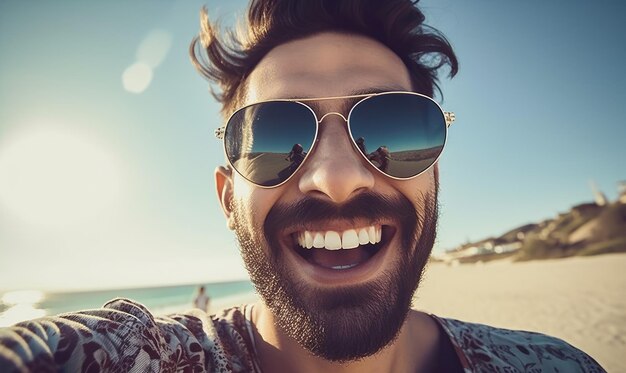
(339, 304)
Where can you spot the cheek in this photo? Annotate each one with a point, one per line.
(253, 201)
(242, 190)
(416, 188)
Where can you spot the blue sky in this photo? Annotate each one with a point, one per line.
(102, 187)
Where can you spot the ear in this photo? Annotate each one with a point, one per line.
(224, 189)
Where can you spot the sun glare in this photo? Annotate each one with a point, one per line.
(22, 305)
(14, 298)
(56, 178)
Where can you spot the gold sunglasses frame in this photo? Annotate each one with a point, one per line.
(448, 116)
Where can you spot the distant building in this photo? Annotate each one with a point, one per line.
(484, 247)
(622, 191)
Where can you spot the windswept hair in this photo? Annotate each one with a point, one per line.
(227, 59)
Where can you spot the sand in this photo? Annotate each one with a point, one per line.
(581, 300)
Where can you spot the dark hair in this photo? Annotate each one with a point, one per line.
(227, 59)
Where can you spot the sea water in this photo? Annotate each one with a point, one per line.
(22, 305)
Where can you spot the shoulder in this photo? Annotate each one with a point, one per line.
(123, 335)
(484, 348)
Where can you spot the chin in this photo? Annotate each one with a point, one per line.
(341, 303)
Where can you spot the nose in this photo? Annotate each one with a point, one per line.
(335, 170)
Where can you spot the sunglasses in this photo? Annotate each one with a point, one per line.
(401, 134)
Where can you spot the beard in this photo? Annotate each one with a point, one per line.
(345, 323)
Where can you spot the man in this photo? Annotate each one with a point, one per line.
(336, 246)
(380, 158)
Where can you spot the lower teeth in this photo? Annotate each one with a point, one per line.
(344, 267)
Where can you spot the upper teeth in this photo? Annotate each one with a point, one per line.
(332, 240)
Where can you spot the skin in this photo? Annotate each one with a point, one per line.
(330, 64)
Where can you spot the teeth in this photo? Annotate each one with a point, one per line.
(332, 240)
(364, 238)
(308, 240)
(349, 239)
(318, 241)
(372, 233)
(347, 266)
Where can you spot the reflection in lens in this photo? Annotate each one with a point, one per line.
(267, 142)
(400, 134)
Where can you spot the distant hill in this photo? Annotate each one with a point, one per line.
(586, 229)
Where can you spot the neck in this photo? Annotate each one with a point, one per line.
(415, 348)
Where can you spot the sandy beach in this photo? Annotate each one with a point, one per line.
(580, 300)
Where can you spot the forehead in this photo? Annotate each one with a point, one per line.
(326, 64)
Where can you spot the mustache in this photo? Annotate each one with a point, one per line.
(369, 205)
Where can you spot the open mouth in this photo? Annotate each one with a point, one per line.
(343, 250)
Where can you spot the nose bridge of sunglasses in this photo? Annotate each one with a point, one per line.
(332, 113)
(334, 136)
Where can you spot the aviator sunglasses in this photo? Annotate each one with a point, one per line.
(401, 134)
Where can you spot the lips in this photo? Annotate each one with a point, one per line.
(341, 249)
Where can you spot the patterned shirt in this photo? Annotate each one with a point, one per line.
(124, 336)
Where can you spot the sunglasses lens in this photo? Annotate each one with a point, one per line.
(401, 134)
(267, 142)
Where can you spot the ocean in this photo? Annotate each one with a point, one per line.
(21, 305)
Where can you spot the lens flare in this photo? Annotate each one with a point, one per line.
(137, 77)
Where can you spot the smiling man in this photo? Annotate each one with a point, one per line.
(336, 247)
(331, 139)
(336, 244)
